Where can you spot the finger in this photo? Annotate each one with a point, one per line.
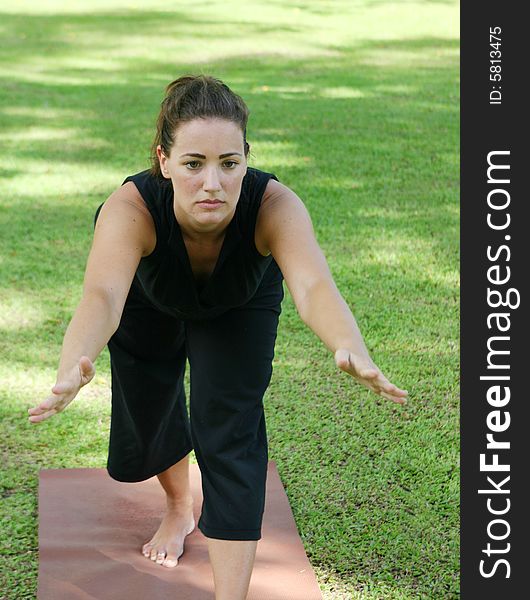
(393, 390)
(395, 399)
(383, 385)
(388, 387)
(41, 408)
(369, 373)
(399, 400)
(376, 384)
(39, 418)
(399, 392)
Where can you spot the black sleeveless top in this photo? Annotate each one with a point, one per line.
(165, 278)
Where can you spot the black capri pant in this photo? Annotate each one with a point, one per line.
(230, 358)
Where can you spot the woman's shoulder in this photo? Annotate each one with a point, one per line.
(125, 209)
(280, 205)
(254, 185)
(253, 175)
(149, 186)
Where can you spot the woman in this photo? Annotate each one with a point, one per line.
(187, 262)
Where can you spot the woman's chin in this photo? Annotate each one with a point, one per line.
(212, 216)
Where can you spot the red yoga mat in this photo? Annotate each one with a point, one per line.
(92, 528)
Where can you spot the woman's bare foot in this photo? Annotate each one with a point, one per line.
(167, 544)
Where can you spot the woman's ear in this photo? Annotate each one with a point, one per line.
(162, 159)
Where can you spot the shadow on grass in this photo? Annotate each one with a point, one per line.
(382, 158)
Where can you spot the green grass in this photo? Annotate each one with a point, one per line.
(354, 105)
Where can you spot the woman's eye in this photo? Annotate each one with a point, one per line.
(195, 164)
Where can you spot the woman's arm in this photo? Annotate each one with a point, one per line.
(284, 228)
(123, 234)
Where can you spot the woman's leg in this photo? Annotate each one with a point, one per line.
(232, 562)
(167, 544)
(149, 429)
(231, 365)
(230, 369)
(149, 424)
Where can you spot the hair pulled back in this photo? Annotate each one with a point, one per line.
(192, 97)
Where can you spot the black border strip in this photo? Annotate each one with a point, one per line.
(494, 125)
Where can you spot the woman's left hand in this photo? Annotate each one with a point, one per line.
(367, 373)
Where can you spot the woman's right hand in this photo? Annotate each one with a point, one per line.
(64, 391)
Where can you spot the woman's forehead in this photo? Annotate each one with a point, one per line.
(208, 130)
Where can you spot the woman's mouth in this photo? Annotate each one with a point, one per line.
(210, 203)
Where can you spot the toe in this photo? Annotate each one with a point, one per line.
(170, 562)
(161, 557)
(172, 555)
(153, 554)
(146, 550)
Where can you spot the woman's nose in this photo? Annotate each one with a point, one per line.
(212, 181)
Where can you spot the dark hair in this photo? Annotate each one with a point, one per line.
(192, 97)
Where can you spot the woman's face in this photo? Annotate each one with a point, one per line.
(206, 163)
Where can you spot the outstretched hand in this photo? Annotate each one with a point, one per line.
(64, 391)
(367, 373)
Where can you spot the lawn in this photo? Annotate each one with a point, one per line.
(354, 105)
